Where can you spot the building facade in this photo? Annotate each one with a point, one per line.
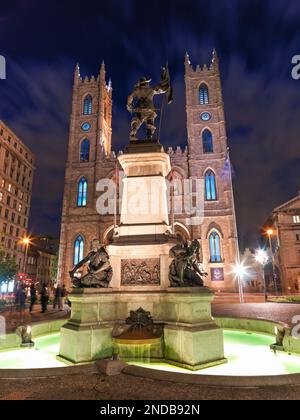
(17, 166)
(41, 263)
(286, 242)
(205, 158)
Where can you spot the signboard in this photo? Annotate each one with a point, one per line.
(217, 274)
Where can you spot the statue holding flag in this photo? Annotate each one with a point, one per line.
(140, 103)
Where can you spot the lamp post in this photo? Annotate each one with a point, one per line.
(239, 267)
(261, 257)
(26, 242)
(240, 271)
(270, 232)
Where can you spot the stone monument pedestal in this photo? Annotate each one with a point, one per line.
(191, 338)
(140, 261)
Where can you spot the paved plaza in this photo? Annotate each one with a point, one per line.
(278, 312)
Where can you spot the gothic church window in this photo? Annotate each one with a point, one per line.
(210, 186)
(215, 247)
(88, 105)
(82, 192)
(78, 249)
(207, 141)
(85, 151)
(203, 94)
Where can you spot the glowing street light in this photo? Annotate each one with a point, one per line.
(270, 232)
(240, 271)
(25, 241)
(262, 258)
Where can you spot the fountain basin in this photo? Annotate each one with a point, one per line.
(248, 354)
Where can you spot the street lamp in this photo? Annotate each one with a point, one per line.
(261, 257)
(240, 271)
(270, 232)
(25, 241)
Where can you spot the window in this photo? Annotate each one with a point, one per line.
(88, 105)
(215, 247)
(207, 141)
(203, 94)
(210, 186)
(296, 219)
(85, 151)
(78, 249)
(82, 193)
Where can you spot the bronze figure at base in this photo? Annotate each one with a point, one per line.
(99, 269)
(185, 270)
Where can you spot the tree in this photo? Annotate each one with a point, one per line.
(8, 268)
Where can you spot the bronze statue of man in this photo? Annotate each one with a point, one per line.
(185, 270)
(99, 269)
(140, 103)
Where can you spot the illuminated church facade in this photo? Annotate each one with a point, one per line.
(90, 159)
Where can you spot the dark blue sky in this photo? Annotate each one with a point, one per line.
(255, 40)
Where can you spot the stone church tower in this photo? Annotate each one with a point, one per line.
(208, 160)
(89, 160)
(205, 158)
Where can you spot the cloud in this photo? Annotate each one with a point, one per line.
(36, 101)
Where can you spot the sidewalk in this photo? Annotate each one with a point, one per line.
(278, 312)
(13, 318)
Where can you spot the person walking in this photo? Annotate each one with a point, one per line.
(22, 301)
(33, 292)
(44, 299)
(57, 297)
(64, 294)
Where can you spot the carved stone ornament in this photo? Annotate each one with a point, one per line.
(140, 272)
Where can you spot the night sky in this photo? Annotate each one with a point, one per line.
(255, 40)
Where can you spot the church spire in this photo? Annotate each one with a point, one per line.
(187, 62)
(215, 61)
(102, 73)
(77, 74)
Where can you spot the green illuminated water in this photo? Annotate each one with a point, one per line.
(247, 354)
(43, 355)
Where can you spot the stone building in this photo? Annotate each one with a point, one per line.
(41, 264)
(205, 158)
(17, 166)
(286, 242)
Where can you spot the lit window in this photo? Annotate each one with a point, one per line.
(215, 247)
(85, 151)
(82, 192)
(207, 141)
(9, 187)
(88, 105)
(78, 249)
(296, 219)
(1, 196)
(19, 208)
(203, 94)
(210, 186)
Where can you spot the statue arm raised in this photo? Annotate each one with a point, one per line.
(165, 84)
